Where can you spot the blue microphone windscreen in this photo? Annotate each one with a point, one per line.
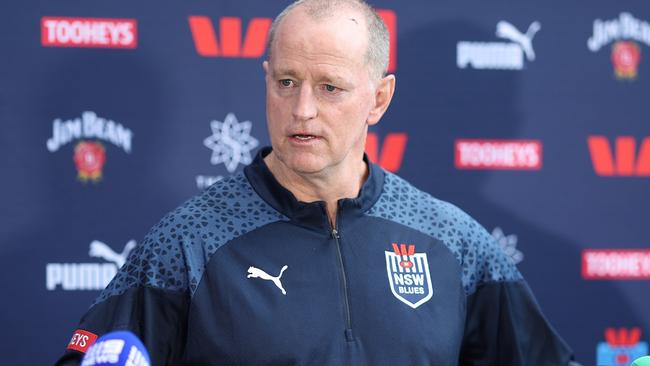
(121, 348)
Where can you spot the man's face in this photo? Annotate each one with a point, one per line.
(319, 93)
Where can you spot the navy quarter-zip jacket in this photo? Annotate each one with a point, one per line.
(244, 274)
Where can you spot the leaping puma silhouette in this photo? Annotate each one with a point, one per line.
(258, 273)
(525, 41)
(101, 250)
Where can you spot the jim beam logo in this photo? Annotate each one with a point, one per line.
(408, 275)
(89, 131)
(623, 33)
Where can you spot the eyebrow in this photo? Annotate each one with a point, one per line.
(335, 79)
(332, 79)
(288, 72)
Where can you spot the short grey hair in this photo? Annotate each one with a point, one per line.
(378, 41)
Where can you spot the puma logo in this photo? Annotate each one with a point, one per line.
(258, 273)
(525, 41)
(101, 250)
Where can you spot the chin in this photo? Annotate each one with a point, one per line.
(304, 163)
(306, 166)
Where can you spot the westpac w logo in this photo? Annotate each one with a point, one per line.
(391, 154)
(408, 275)
(231, 41)
(623, 160)
(231, 45)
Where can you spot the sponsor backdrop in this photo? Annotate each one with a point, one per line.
(533, 117)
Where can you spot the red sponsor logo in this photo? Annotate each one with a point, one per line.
(229, 42)
(89, 157)
(392, 152)
(81, 340)
(624, 162)
(498, 154)
(89, 32)
(626, 56)
(615, 264)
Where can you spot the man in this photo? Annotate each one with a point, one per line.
(314, 256)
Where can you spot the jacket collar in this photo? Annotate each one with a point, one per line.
(312, 214)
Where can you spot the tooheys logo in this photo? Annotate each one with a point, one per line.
(624, 32)
(89, 32)
(81, 340)
(230, 43)
(498, 154)
(616, 264)
(408, 275)
(87, 276)
(622, 346)
(391, 154)
(623, 160)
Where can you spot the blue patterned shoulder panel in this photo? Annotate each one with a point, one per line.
(174, 253)
(480, 257)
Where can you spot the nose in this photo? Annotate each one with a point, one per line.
(305, 107)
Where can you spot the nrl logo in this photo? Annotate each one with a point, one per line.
(408, 275)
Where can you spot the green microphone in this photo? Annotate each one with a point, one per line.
(641, 361)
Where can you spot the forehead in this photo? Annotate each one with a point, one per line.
(336, 41)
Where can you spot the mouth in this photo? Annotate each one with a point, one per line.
(304, 137)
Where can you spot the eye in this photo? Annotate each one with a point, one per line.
(330, 88)
(286, 83)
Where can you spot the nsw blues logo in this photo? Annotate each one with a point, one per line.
(408, 275)
(622, 346)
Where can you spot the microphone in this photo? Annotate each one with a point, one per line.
(641, 361)
(121, 348)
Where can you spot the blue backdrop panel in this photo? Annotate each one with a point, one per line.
(113, 113)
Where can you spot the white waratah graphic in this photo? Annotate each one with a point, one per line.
(99, 249)
(231, 142)
(258, 273)
(508, 244)
(525, 41)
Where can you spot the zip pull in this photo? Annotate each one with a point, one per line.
(335, 234)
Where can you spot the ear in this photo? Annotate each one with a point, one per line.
(265, 66)
(383, 95)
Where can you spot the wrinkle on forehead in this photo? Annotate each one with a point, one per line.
(332, 35)
(312, 51)
(322, 70)
(333, 45)
(300, 60)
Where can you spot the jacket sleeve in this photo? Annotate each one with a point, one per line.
(148, 296)
(505, 326)
(155, 316)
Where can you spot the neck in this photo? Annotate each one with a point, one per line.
(331, 186)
